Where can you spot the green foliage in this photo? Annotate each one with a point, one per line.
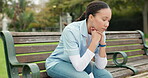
(146, 36)
(127, 14)
(128, 22)
(45, 19)
(74, 7)
(20, 18)
(1, 5)
(124, 4)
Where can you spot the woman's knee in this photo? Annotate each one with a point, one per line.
(81, 75)
(107, 74)
(59, 71)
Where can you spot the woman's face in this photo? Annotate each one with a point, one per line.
(100, 21)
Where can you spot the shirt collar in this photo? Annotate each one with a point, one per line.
(83, 28)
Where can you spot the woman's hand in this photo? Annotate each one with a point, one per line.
(97, 36)
(102, 42)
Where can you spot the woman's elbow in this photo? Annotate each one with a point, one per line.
(101, 65)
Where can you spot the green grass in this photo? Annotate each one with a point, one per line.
(3, 73)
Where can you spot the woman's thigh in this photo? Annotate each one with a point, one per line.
(65, 70)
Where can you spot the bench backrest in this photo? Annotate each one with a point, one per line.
(35, 47)
(130, 42)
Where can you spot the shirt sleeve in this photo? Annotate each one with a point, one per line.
(70, 43)
(80, 63)
(100, 62)
(71, 48)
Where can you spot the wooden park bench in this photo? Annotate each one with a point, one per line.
(26, 52)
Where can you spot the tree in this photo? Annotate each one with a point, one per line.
(20, 18)
(140, 5)
(1, 5)
(45, 19)
(74, 7)
(145, 17)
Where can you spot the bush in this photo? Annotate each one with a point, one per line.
(127, 22)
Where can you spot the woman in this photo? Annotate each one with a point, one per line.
(80, 42)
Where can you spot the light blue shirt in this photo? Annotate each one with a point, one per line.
(73, 41)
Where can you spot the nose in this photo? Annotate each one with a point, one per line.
(106, 24)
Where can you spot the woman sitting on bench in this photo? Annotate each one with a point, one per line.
(80, 42)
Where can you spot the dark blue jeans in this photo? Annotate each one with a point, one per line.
(66, 70)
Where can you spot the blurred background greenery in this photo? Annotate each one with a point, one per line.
(52, 15)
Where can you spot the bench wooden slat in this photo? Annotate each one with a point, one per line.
(41, 66)
(42, 75)
(130, 59)
(132, 53)
(139, 62)
(137, 58)
(36, 48)
(33, 58)
(123, 36)
(142, 68)
(121, 73)
(22, 34)
(133, 63)
(121, 32)
(123, 48)
(112, 70)
(45, 48)
(36, 39)
(124, 42)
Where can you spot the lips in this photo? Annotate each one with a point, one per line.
(104, 29)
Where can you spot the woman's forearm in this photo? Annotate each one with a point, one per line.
(92, 46)
(102, 52)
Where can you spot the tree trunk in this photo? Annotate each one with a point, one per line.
(145, 17)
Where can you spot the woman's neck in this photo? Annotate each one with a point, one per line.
(88, 26)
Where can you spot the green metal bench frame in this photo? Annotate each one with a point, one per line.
(123, 64)
(12, 63)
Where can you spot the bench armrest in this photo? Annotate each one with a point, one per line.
(143, 42)
(30, 70)
(115, 58)
(123, 64)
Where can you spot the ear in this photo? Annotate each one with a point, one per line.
(91, 17)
